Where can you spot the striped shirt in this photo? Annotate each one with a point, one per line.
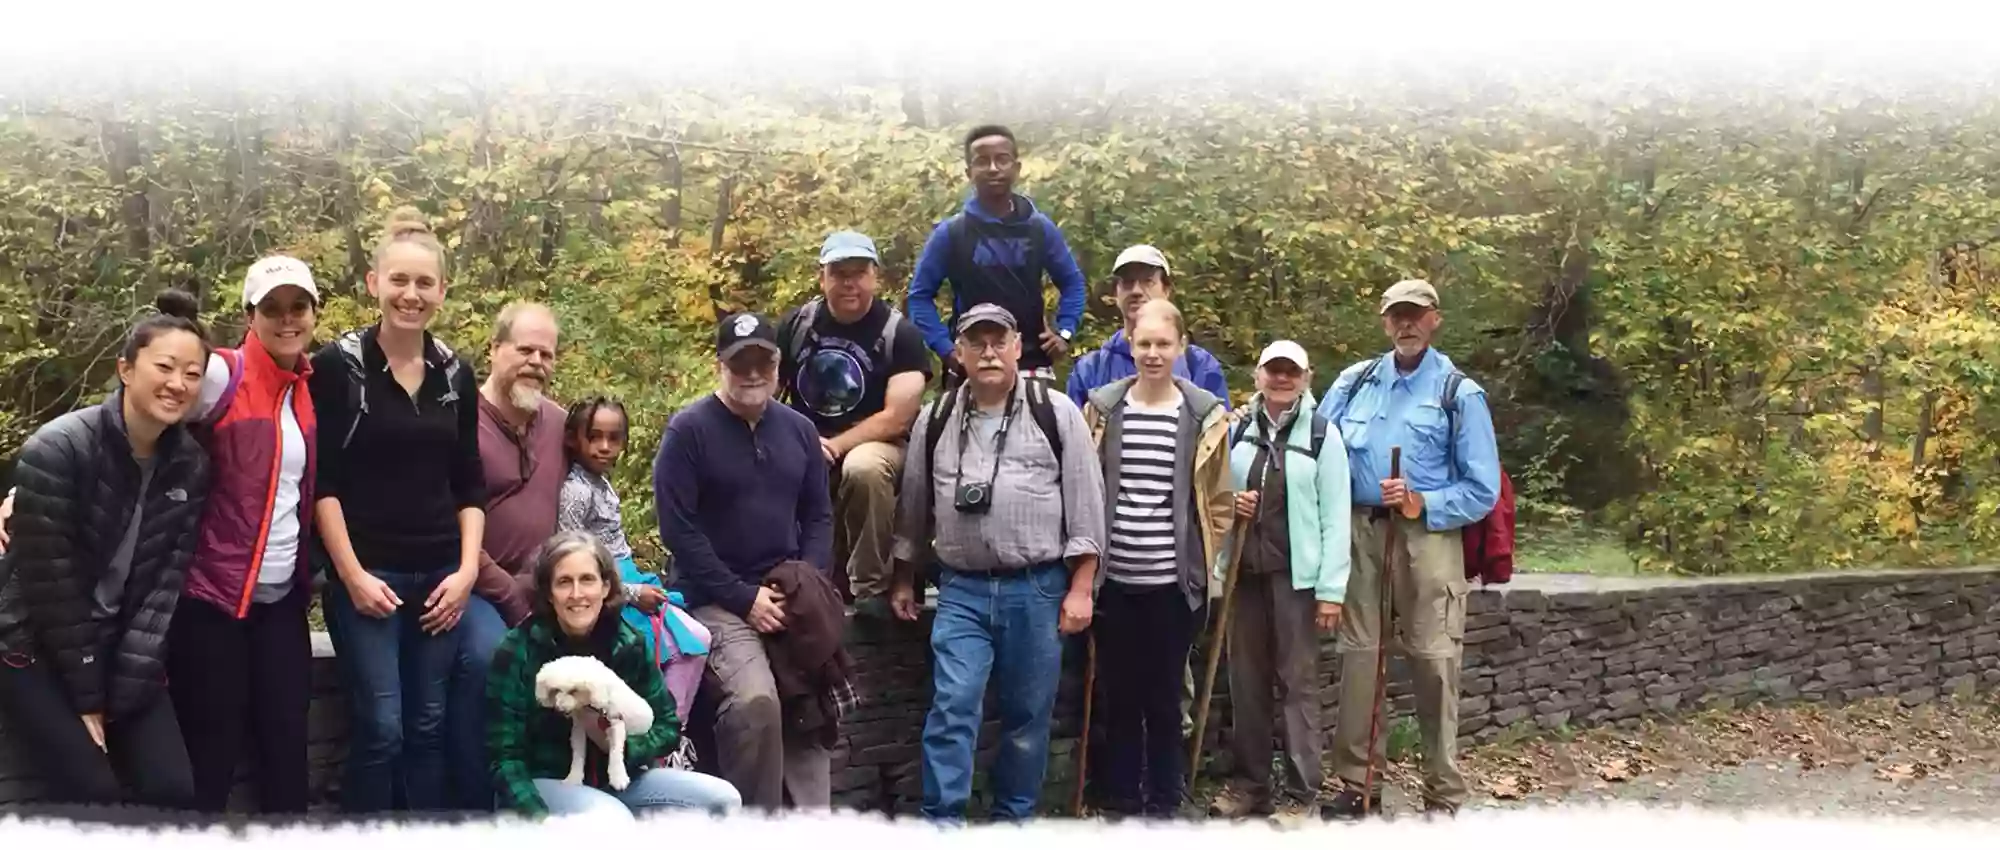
(1142, 519)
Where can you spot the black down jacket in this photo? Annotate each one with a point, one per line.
(78, 484)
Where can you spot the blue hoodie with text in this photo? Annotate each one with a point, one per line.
(997, 263)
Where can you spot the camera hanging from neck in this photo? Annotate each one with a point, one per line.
(977, 497)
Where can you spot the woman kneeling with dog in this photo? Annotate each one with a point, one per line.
(576, 592)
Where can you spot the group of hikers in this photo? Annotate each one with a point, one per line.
(161, 549)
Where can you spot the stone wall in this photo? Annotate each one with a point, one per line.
(1547, 651)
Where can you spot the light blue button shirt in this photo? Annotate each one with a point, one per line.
(1394, 409)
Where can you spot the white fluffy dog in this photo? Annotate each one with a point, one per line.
(583, 689)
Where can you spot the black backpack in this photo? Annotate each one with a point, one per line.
(800, 331)
(357, 377)
(963, 235)
(1038, 406)
(320, 562)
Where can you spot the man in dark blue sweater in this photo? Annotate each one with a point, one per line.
(996, 251)
(741, 486)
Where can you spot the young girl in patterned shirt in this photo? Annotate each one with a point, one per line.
(594, 436)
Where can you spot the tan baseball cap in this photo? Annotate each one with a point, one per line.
(1417, 292)
(1144, 254)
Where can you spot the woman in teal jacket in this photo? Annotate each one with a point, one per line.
(1290, 473)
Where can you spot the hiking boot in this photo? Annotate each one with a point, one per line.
(1346, 805)
(1240, 801)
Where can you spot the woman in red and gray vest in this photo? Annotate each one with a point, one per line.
(239, 654)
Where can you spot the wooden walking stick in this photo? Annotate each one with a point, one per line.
(1083, 742)
(1387, 614)
(1241, 531)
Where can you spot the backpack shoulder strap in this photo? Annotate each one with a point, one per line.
(958, 237)
(1449, 401)
(1037, 248)
(357, 379)
(934, 427)
(1318, 434)
(889, 329)
(1367, 374)
(802, 324)
(1045, 417)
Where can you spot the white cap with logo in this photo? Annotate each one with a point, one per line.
(272, 272)
(1284, 349)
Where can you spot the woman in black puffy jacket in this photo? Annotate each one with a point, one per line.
(105, 512)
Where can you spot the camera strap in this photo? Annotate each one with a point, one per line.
(966, 411)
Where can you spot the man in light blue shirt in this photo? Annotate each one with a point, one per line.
(1450, 479)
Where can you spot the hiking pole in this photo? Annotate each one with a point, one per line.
(1215, 643)
(1387, 613)
(1083, 742)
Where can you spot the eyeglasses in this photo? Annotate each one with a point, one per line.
(991, 346)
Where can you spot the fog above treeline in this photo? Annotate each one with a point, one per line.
(1040, 52)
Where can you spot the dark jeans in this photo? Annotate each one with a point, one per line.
(143, 761)
(244, 682)
(471, 772)
(1143, 635)
(398, 682)
(1003, 628)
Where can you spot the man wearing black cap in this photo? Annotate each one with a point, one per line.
(741, 486)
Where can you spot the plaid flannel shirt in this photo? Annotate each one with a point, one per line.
(526, 741)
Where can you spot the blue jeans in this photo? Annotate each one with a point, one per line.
(480, 631)
(658, 788)
(1006, 627)
(397, 680)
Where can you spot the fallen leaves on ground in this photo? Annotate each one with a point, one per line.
(1905, 744)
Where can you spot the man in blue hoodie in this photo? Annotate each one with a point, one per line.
(996, 251)
(1142, 275)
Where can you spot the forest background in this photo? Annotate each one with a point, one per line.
(1726, 326)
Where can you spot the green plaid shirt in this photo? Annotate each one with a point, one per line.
(527, 741)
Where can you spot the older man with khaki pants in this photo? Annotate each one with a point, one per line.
(1450, 479)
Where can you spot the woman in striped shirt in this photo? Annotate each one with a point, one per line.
(1166, 474)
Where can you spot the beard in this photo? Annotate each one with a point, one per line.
(524, 398)
(751, 397)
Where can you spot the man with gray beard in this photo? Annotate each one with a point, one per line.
(521, 453)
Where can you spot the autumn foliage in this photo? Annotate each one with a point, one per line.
(1749, 326)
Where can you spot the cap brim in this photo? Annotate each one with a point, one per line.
(969, 324)
(840, 256)
(1277, 357)
(737, 347)
(1417, 301)
(258, 297)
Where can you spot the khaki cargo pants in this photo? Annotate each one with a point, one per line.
(1428, 592)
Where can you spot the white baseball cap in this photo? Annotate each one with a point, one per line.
(272, 272)
(1146, 254)
(1283, 349)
